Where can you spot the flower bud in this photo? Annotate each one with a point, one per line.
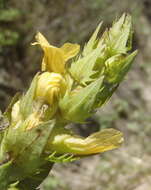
(50, 87)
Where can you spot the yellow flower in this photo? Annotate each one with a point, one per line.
(55, 58)
(50, 87)
(98, 142)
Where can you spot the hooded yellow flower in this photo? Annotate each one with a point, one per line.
(104, 140)
(55, 58)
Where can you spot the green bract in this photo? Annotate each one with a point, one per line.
(106, 59)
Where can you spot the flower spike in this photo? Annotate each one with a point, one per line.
(36, 134)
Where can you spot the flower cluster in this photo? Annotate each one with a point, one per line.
(69, 88)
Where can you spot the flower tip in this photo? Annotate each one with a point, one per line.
(41, 40)
(39, 35)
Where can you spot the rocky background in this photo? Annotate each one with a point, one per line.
(129, 110)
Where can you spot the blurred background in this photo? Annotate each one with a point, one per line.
(129, 110)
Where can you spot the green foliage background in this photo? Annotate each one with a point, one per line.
(129, 109)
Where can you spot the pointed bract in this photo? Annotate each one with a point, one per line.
(26, 102)
(117, 37)
(78, 107)
(91, 43)
(82, 70)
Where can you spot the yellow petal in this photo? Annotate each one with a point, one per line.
(53, 60)
(102, 141)
(70, 50)
(41, 40)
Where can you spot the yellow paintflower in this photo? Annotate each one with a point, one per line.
(55, 58)
(104, 140)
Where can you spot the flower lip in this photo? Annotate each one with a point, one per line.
(55, 58)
